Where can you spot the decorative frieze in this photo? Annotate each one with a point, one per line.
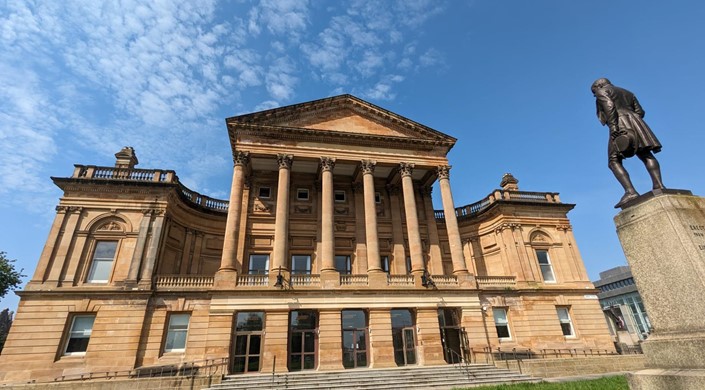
(499, 229)
(564, 227)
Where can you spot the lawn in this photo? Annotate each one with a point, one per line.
(606, 383)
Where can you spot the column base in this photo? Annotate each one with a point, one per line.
(377, 279)
(225, 279)
(330, 279)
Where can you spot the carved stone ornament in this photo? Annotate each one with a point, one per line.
(443, 171)
(406, 169)
(368, 166)
(340, 227)
(111, 226)
(261, 208)
(503, 226)
(285, 161)
(327, 163)
(241, 158)
(564, 227)
(540, 238)
(62, 209)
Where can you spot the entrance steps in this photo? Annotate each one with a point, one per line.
(409, 377)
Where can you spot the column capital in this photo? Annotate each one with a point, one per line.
(285, 161)
(241, 158)
(406, 169)
(443, 171)
(327, 163)
(368, 166)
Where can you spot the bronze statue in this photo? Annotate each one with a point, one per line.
(629, 135)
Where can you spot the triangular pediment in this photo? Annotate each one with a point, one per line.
(344, 114)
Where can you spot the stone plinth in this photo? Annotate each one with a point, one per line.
(663, 238)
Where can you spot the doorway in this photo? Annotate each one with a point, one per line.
(451, 335)
(303, 340)
(354, 324)
(404, 336)
(247, 342)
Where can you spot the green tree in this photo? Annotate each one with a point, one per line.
(5, 324)
(10, 278)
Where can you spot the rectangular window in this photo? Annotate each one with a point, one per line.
(259, 265)
(342, 264)
(566, 323)
(102, 262)
(546, 268)
(264, 192)
(300, 265)
(176, 332)
(302, 194)
(385, 264)
(378, 198)
(79, 334)
(339, 196)
(501, 323)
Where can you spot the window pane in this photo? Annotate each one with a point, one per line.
(301, 264)
(354, 319)
(176, 333)
(563, 314)
(385, 264)
(102, 261)
(502, 331)
(543, 257)
(500, 315)
(249, 321)
(259, 265)
(401, 318)
(342, 264)
(547, 273)
(79, 334)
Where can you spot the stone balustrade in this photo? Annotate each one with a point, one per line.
(445, 280)
(182, 281)
(496, 282)
(353, 280)
(305, 280)
(400, 280)
(501, 195)
(253, 280)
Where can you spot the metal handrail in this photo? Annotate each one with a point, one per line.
(461, 364)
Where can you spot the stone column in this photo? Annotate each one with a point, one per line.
(371, 238)
(398, 260)
(139, 247)
(152, 249)
(435, 263)
(281, 222)
(228, 259)
(63, 251)
(327, 234)
(412, 219)
(430, 347)
(330, 344)
(381, 345)
(456, 246)
(275, 341)
(52, 242)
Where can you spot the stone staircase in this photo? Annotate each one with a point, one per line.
(440, 377)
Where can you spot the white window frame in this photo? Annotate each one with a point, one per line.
(266, 265)
(259, 192)
(547, 266)
(568, 320)
(499, 322)
(384, 262)
(71, 333)
(300, 191)
(173, 329)
(339, 192)
(96, 260)
(308, 265)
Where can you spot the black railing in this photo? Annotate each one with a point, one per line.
(460, 363)
(202, 368)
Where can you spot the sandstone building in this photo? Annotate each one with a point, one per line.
(328, 255)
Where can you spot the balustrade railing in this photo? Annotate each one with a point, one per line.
(183, 281)
(149, 175)
(496, 282)
(444, 280)
(353, 280)
(253, 280)
(305, 280)
(400, 280)
(526, 196)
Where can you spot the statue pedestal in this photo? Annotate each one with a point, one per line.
(663, 237)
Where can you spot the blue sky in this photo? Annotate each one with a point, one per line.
(510, 79)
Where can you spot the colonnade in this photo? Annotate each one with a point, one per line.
(279, 259)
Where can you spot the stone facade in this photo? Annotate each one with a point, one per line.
(328, 254)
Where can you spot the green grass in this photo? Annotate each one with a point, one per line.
(606, 383)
